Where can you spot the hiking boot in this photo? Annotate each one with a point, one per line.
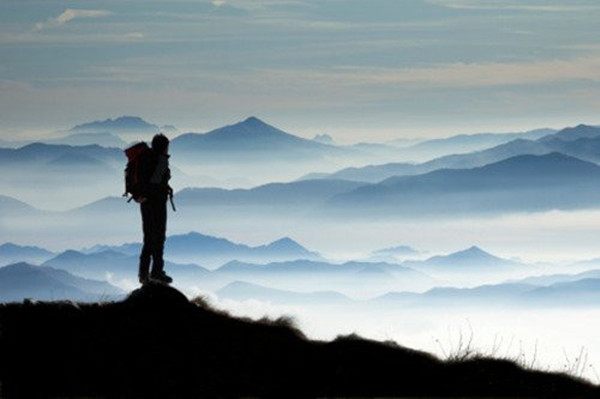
(161, 277)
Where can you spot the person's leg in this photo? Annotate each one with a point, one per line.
(145, 255)
(159, 243)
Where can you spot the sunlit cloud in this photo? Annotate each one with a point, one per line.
(69, 15)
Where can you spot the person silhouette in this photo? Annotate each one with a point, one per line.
(154, 193)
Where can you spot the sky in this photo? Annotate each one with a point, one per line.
(356, 69)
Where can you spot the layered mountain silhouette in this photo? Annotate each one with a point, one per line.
(518, 184)
(273, 196)
(549, 279)
(122, 124)
(40, 155)
(11, 207)
(177, 348)
(214, 251)
(116, 265)
(60, 175)
(13, 253)
(581, 131)
(465, 143)
(251, 139)
(19, 281)
(104, 139)
(581, 292)
(350, 278)
(525, 183)
(323, 138)
(582, 142)
(484, 295)
(472, 258)
(314, 267)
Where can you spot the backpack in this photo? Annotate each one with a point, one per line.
(136, 155)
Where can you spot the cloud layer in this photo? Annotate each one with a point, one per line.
(382, 66)
(68, 15)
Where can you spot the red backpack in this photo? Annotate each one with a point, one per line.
(136, 155)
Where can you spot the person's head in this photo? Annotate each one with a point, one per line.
(160, 144)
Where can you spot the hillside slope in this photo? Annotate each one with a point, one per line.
(158, 344)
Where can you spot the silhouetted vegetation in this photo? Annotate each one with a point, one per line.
(157, 343)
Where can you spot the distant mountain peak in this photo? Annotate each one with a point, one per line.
(472, 256)
(474, 251)
(284, 240)
(323, 138)
(253, 120)
(10, 245)
(553, 161)
(125, 122)
(574, 133)
(252, 123)
(128, 118)
(20, 266)
(16, 252)
(251, 126)
(286, 243)
(192, 234)
(250, 140)
(70, 254)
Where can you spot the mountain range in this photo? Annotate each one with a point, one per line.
(104, 139)
(39, 154)
(580, 293)
(12, 207)
(583, 292)
(354, 278)
(351, 277)
(250, 140)
(120, 125)
(550, 279)
(582, 142)
(12, 253)
(19, 281)
(472, 259)
(521, 183)
(465, 143)
(272, 197)
(116, 266)
(64, 276)
(213, 251)
(218, 154)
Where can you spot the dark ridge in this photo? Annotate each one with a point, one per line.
(156, 343)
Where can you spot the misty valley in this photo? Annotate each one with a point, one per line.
(489, 239)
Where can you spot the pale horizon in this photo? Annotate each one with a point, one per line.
(340, 136)
(358, 71)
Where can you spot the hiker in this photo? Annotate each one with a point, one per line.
(154, 191)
